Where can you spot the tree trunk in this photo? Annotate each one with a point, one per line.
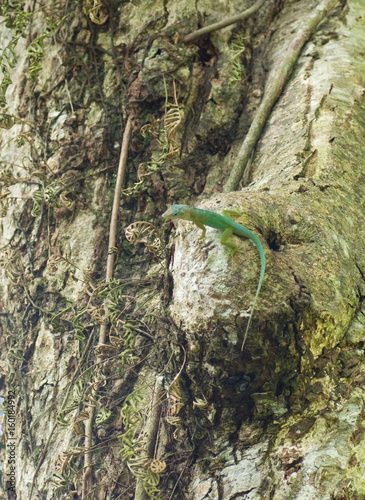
(121, 367)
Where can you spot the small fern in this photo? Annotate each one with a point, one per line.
(238, 47)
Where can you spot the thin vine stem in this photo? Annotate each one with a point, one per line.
(222, 24)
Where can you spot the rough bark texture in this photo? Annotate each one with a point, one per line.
(178, 410)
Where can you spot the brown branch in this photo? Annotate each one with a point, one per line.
(117, 193)
(222, 24)
(276, 81)
(116, 204)
(87, 479)
(151, 431)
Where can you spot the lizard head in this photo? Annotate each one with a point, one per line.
(177, 212)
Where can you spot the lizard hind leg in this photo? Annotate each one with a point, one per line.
(227, 233)
(228, 213)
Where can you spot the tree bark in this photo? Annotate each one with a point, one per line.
(171, 406)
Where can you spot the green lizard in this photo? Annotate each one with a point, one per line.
(204, 218)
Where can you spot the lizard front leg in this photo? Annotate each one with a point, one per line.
(200, 226)
(227, 233)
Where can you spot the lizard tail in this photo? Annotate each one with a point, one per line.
(262, 272)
